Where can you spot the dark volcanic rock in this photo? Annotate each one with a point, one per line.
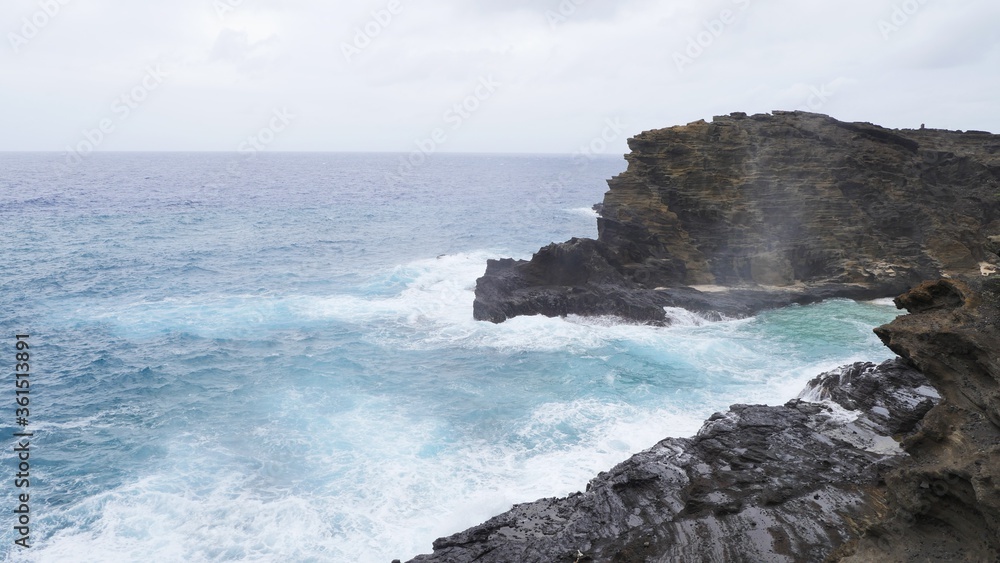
(771, 210)
(757, 483)
(944, 503)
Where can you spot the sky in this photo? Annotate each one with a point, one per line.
(512, 76)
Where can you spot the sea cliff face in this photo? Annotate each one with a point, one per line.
(896, 462)
(753, 212)
(943, 504)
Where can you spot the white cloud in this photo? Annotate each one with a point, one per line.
(560, 78)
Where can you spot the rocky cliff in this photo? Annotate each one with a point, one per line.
(943, 504)
(758, 483)
(884, 469)
(751, 212)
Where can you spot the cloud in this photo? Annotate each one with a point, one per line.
(235, 47)
(561, 79)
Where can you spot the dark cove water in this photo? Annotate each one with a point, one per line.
(274, 359)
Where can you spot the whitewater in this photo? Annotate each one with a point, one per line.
(275, 358)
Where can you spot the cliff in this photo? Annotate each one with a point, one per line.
(753, 212)
(757, 483)
(944, 503)
(885, 469)
(749, 212)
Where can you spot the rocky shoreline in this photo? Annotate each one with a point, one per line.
(753, 212)
(758, 483)
(895, 462)
(943, 503)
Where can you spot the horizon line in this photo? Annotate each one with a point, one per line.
(229, 152)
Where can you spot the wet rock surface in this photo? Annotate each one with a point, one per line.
(758, 483)
(896, 462)
(753, 212)
(943, 504)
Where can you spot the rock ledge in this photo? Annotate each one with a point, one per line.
(758, 483)
(782, 208)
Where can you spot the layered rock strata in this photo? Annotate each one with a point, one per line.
(753, 212)
(944, 503)
(758, 483)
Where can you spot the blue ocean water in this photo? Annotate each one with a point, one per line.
(274, 359)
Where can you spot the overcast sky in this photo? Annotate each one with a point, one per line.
(476, 75)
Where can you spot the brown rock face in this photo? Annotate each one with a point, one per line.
(944, 504)
(777, 199)
(788, 207)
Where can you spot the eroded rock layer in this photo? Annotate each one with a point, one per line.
(752, 212)
(944, 503)
(757, 483)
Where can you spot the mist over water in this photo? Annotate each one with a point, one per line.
(283, 364)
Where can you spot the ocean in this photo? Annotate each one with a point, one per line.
(274, 358)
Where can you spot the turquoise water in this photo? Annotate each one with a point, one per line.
(276, 361)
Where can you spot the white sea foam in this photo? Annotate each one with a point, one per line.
(434, 302)
(683, 317)
(186, 517)
(380, 487)
(377, 480)
(584, 211)
(432, 309)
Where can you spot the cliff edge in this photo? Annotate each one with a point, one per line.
(753, 212)
(758, 483)
(898, 462)
(944, 503)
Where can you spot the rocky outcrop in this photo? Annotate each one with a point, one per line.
(753, 212)
(758, 483)
(944, 503)
(807, 481)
